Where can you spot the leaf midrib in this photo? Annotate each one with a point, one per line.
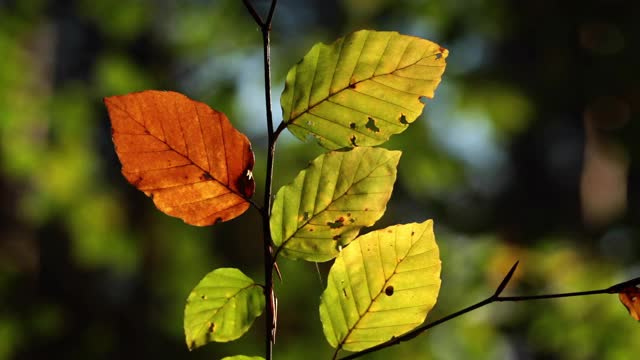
(209, 319)
(305, 223)
(191, 161)
(373, 300)
(330, 95)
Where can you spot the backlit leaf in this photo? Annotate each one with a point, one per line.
(630, 297)
(382, 285)
(221, 307)
(329, 202)
(243, 357)
(361, 89)
(184, 155)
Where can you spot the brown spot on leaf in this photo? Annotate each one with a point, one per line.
(246, 184)
(305, 216)
(389, 290)
(135, 182)
(336, 224)
(211, 327)
(371, 125)
(353, 140)
(337, 237)
(403, 120)
(352, 125)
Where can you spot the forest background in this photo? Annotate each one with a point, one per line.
(528, 151)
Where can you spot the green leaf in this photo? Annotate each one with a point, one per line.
(243, 357)
(221, 307)
(382, 285)
(361, 89)
(329, 202)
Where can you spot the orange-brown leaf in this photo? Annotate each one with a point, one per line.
(630, 297)
(184, 155)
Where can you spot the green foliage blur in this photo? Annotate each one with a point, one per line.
(529, 151)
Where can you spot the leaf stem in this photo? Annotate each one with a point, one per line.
(269, 261)
(491, 299)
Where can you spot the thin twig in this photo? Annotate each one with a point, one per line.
(271, 11)
(269, 260)
(253, 13)
(493, 298)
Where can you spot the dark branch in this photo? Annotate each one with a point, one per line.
(270, 15)
(253, 13)
(269, 259)
(493, 298)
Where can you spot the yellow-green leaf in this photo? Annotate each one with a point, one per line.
(221, 307)
(361, 89)
(382, 285)
(329, 202)
(243, 357)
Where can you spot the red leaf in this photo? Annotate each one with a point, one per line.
(184, 155)
(630, 297)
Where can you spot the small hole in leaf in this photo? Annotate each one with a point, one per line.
(353, 140)
(352, 125)
(211, 327)
(403, 120)
(371, 125)
(389, 290)
(203, 297)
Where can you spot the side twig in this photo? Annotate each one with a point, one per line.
(493, 298)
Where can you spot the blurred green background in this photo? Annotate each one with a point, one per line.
(529, 151)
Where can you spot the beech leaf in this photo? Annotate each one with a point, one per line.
(184, 155)
(222, 307)
(382, 285)
(361, 89)
(630, 298)
(330, 201)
